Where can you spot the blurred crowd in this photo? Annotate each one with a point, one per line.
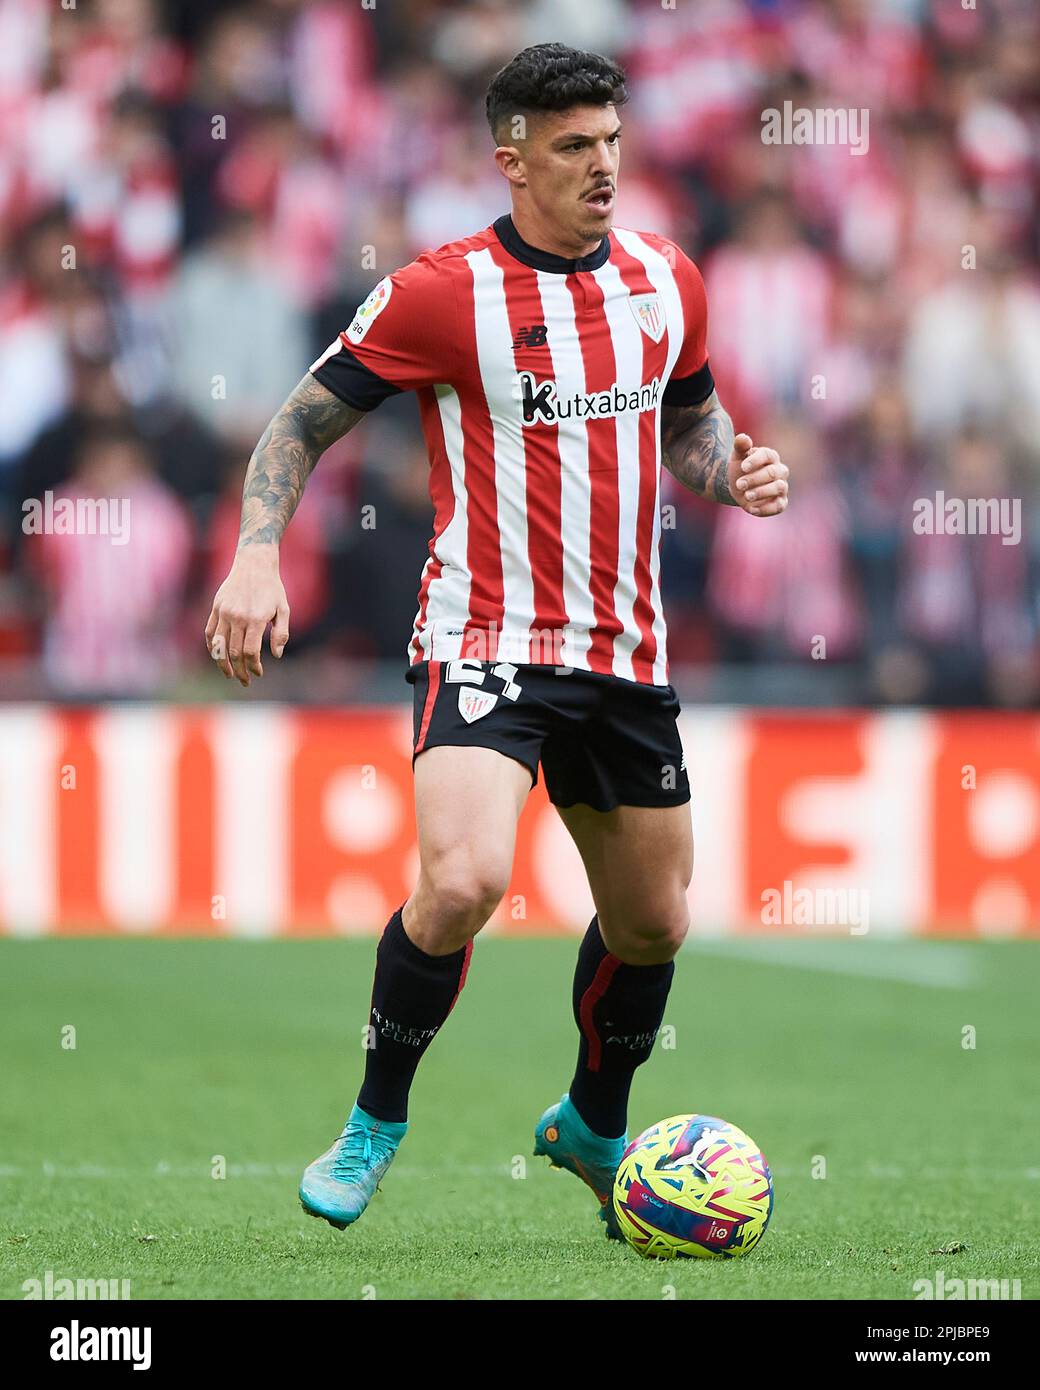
(195, 196)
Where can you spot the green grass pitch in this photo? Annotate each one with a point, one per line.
(850, 1050)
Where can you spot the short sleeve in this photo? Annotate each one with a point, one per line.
(691, 381)
(401, 338)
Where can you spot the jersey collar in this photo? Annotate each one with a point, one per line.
(546, 260)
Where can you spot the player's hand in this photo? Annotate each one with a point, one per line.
(249, 598)
(757, 478)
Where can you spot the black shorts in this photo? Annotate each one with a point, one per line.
(602, 741)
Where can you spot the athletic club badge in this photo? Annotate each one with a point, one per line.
(474, 704)
(647, 309)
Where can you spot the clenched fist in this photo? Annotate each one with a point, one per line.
(757, 478)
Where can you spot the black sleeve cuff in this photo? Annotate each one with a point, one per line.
(690, 390)
(349, 379)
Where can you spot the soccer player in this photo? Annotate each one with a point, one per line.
(558, 363)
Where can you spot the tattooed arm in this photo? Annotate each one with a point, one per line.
(700, 451)
(252, 595)
(309, 421)
(697, 441)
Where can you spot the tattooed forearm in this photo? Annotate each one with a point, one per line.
(697, 441)
(309, 421)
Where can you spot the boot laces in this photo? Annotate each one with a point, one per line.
(356, 1153)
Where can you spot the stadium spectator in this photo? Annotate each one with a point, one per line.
(770, 296)
(238, 340)
(792, 596)
(114, 583)
(963, 602)
(389, 538)
(973, 355)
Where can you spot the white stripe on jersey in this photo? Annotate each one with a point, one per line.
(662, 277)
(497, 367)
(659, 628)
(627, 338)
(448, 595)
(419, 646)
(575, 486)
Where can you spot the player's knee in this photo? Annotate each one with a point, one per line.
(652, 933)
(461, 894)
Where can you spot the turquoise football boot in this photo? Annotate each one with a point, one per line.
(563, 1137)
(339, 1185)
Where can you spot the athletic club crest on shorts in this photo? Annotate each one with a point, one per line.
(647, 309)
(474, 704)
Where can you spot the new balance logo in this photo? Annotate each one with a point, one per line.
(531, 337)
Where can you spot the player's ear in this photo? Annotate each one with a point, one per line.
(511, 165)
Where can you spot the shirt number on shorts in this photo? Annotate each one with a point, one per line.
(470, 671)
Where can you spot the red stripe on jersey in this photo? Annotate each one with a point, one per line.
(442, 495)
(604, 504)
(542, 464)
(655, 355)
(483, 542)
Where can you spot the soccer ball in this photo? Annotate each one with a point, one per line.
(693, 1186)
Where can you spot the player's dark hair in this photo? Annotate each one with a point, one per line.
(552, 77)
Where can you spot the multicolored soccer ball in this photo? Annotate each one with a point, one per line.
(693, 1186)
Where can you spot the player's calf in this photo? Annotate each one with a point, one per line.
(619, 1008)
(412, 995)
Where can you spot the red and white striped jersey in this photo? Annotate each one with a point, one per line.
(540, 382)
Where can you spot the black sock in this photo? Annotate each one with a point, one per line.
(412, 995)
(618, 1009)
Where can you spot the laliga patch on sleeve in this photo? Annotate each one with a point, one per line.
(370, 310)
